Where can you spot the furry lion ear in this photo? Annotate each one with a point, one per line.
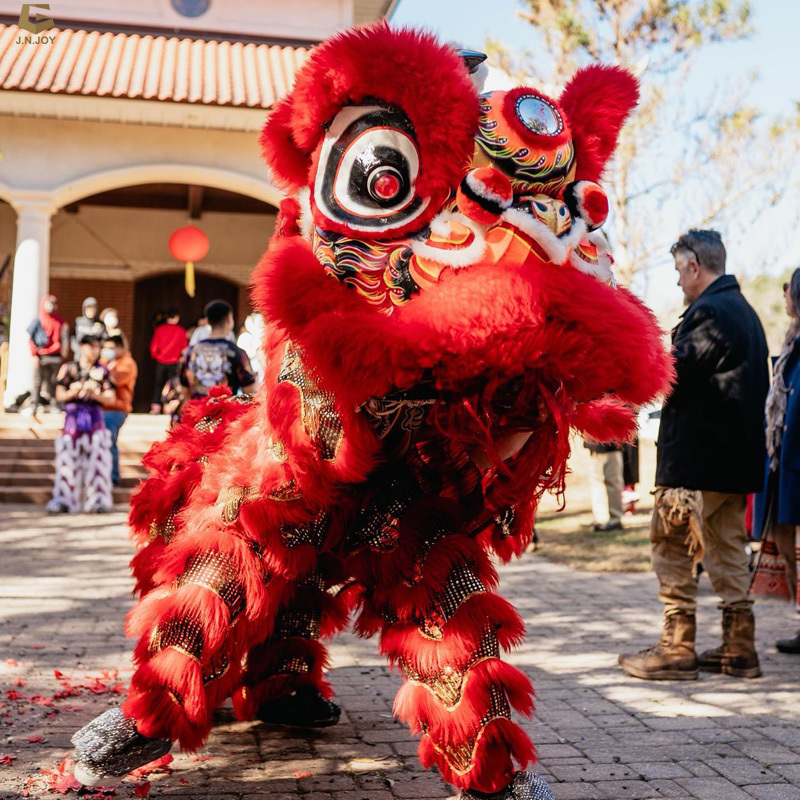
(597, 102)
(287, 163)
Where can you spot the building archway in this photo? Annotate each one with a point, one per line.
(159, 292)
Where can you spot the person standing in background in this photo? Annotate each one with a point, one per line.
(710, 457)
(777, 509)
(606, 485)
(88, 324)
(168, 343)
(123, 370)
(49, 335)
(216, 361)
(251, 340)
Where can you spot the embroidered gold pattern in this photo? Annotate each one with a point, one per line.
(286, 493)
(448, 685)
(505, 522)
(216, 572)
(461, 757)
(462, 583)
(232, 498)
(320, 419)
(165, 531)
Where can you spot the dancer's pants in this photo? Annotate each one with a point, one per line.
(83, 471)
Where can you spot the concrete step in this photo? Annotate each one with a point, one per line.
(37, 480)
(130, 466)
(40, 495)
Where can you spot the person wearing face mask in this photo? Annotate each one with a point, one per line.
(119, 361)
(48, 342)
(110, 319)
(777, 509)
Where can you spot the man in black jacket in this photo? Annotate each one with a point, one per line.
(710, 456)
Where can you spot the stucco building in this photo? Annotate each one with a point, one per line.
(123, 121)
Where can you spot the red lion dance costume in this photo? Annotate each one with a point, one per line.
(441, 313)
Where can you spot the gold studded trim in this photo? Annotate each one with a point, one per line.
(448, 685)
(216, 572)
(305, 624)
(462, 584)
(232, 498)
(277, 448)
(461, 757)
(505, 522)
(297, 665)
(184, 635)
(166, 530)
(320, 419)
(313, 533)
(208, 424)
(216, 668)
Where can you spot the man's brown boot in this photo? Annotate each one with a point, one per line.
(673, 658)
(737, 655)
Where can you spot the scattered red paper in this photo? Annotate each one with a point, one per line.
(59, 674)
(13, 694)
(142, 790)
(183, 782)
(200, 758)
(159, 764)
(20, 682)
(11, 662)
(59, 778)
(36, 646)
(7, 760)
(41, 701)
(299, 774)
(33, 739)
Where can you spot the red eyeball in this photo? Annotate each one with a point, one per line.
(386, 185)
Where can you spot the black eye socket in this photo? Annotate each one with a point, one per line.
(367, 168)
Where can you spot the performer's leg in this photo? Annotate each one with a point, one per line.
(66, 489)
(97, 472)
(445, 628)
(283, 681)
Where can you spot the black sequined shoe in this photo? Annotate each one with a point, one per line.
(525, 786)
(110, 747)
(305, 708)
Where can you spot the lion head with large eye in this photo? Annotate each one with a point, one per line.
(391, 152)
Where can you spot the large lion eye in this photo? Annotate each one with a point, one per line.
(367, 167)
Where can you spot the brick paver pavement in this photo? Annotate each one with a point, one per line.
(64, 589)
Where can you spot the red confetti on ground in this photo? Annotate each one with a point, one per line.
(57, 779)
(7, 760)
(143, 789)
(36, 646)
(200, 758)
(160, 764)
(299, 774)
(33, 739)
(183, 782)
(20, 682)
(13, 694)
(11, 662)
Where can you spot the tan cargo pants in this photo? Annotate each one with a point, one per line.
(607, 485)
(725, 560)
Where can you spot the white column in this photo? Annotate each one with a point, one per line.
(30, 282)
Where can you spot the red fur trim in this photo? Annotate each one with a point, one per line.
(288, 164)
(462, 635)
(597, 101)
(424, 712)
(605, 420)
(502, 743)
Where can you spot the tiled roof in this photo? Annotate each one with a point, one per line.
(149, 67)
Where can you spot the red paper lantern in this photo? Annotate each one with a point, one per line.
(188, 244)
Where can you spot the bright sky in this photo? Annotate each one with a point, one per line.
(773, 51)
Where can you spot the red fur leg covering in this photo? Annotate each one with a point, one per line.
(213, 601)
(446, 633)
(293, 656)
